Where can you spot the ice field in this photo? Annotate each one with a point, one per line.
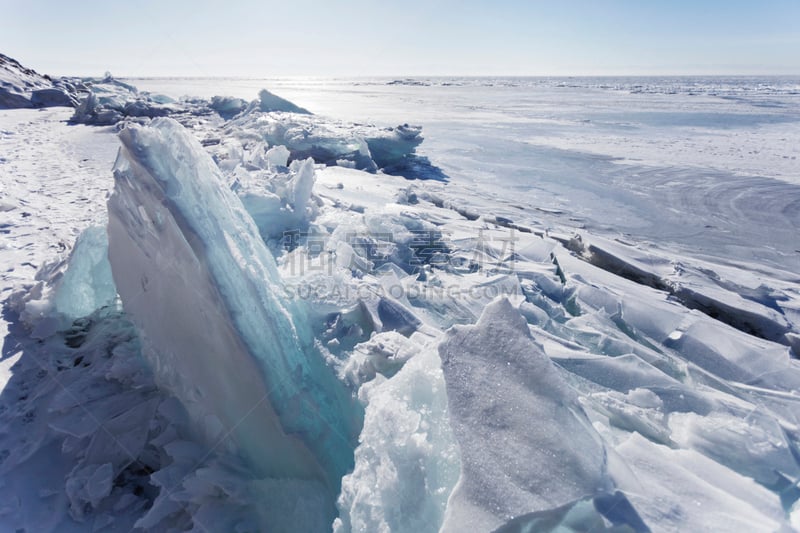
(379, 305)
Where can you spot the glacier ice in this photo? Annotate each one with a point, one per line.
(526, 444)
(199, 282)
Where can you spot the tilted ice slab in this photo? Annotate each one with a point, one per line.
(203, 289)
(760, 301)
(272, 102)
(682, 490)
(526, 444)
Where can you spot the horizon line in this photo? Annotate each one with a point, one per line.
(444, 76)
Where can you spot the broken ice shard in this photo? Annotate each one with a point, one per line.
(526, 444)
(202, 287)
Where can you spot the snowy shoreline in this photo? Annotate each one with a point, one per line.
(466, 342)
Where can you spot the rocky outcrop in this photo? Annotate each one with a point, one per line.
(21, 87)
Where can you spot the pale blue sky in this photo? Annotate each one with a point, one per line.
(410, 37)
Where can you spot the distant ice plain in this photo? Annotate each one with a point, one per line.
(705, 166)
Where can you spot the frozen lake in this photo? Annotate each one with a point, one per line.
(705, 166)
(592, 305)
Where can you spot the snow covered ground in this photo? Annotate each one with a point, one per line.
(586, 317)
(55, 181)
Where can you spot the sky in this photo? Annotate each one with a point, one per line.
(266, 38)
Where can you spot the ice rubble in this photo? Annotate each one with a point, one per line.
(228, 106)
(269, 121)
(280, 201)
(78, 415)
(68, 288)
(640, 362)
(197, 279)
(407, 461)
(92, 444)
(361, 146)
(110, 100)
(646, 414)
